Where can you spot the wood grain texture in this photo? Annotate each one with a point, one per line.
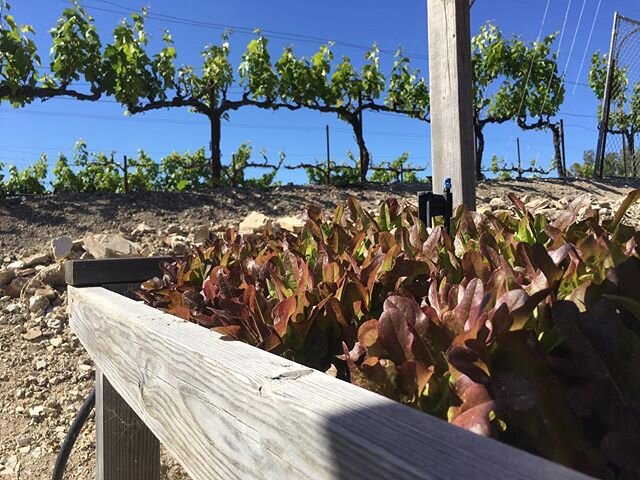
(452, 133)
(125, 448)
(226, 410)
(92, 272)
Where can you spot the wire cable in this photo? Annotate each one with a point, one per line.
(524, 89)
(586, 48)
(575, 36)
(564, 24)
(241, 29)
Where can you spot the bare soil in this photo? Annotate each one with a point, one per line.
(28, 222)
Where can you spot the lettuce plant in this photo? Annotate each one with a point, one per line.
(512, 326)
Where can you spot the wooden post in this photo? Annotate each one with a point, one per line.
(125, 447)
(328, 179)
(519, 159)
(452, 135)
(126, 174)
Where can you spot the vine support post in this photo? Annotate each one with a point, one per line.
(125, 174)
(606, 102)
(126, 449)
(519, 158)
(328, 177)
(452, 130)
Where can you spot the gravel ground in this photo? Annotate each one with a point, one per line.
(44, 372)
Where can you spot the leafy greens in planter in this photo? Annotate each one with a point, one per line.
(515, 327)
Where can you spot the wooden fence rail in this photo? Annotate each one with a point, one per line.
(226, 410)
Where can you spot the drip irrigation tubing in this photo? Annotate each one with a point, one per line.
(72, 435)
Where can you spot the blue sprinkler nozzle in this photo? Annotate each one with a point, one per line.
(447, 184)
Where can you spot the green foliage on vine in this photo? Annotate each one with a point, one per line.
(514, 81)
(28, 181)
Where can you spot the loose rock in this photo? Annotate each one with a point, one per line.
(61, 247)
(252, 222)
(199, 235)
(291, 224)
(37, 411)
(110, 246)
(38, 303)
(178, 244)
(32, 334)
(497, 203)
(15, 287)
(37, 259)
(46, 292)
(6, 276)
(23, 441)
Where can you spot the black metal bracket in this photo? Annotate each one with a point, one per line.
(432, 205)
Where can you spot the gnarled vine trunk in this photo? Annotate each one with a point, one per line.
(216, 154)
(631, 147)
(557, 149)
(365, 159)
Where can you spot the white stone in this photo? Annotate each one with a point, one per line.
(61, 247)
(13, 307)
(291, 224)
(38, 303)
(17, 265)
(110, 246)
(37, 411)
(252, 222)
(41, 364)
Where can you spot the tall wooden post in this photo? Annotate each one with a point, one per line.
(328, 178)
(125, 447)
(452, 136)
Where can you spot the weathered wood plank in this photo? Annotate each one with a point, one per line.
(226, 410)
(125, 447)
(452, 133)
(81, 273)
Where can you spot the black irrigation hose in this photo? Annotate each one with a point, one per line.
(72, 435)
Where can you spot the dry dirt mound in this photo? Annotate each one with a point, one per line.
(44, 372)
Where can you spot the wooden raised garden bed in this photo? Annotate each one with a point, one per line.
(226, 410)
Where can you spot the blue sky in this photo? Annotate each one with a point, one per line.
(54, 126)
